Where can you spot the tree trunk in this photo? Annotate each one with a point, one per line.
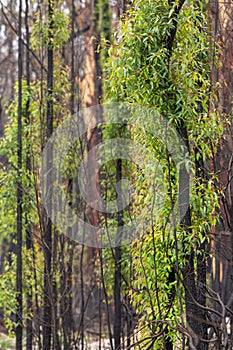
(117, 277)
(19, 312)
(221, 26)
(188, 271)
(48, 294)
(29, 242)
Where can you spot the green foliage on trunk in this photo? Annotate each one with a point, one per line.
(142, 70)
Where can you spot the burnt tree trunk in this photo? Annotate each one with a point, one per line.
(221, 26)
(117, 277)
(19, 312)
(29, 240)
(47, 239)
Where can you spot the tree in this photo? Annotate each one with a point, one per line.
(163, 73)
(221, 240)
(48, 282)
(9, 57)
(19, 314)
(29, 238)
(157, 62)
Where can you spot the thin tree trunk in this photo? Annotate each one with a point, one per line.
(106, 300)
(29, 242)
(188, 269)
(19, 327)
(67, 247)
(82, 299)
(55, 324)
(47, 318)
(117, 278)
(201, 271)
(69, 312)
(66, 269)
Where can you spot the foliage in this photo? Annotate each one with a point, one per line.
(173, 91)
(34, 138)
(142, 70)
(7, 294)
(41, 29)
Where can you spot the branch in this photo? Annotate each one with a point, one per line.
(23, 42)
(172, 33)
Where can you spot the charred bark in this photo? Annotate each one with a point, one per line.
(19, 285)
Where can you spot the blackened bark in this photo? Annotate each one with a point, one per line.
(55, 323)
(169, 40)
(70, 320)
(194, 315)
(72, 58)
(117, 299)
(47, 317)
(67, 247)
(82, 300)
(201, 270)
(29, 242)
(172, 32)
(66, 269)
(193, 289)
(117, 277)
(188, 270)
(19, 328)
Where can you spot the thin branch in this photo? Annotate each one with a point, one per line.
(23, 42)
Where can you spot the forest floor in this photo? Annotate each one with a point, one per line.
(7, 343)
